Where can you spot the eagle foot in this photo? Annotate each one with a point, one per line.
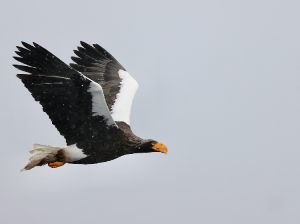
(56, 164)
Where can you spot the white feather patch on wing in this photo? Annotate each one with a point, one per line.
(99, 104)
(122, 106)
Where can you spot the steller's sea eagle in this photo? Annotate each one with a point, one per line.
(88, 102)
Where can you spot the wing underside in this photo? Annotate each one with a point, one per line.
(118, 86)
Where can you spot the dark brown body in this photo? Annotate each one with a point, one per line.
(117, 142)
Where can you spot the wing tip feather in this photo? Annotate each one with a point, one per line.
(84, 43)
(28, 46)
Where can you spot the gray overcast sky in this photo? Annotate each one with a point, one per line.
(219, 85)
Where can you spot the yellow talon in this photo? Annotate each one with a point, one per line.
(56, 164)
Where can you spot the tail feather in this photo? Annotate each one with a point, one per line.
(42, 154)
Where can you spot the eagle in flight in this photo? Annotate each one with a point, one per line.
(89, 103)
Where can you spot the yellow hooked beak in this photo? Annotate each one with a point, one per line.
(160, 147)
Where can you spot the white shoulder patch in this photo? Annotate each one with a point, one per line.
(122, 106)
(99, 107)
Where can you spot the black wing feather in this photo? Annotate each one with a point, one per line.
(62, 91)
(101, 67)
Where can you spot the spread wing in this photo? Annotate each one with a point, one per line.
(74, 103)
(118, 86)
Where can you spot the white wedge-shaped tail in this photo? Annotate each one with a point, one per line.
(42, 154)
(48, 154)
